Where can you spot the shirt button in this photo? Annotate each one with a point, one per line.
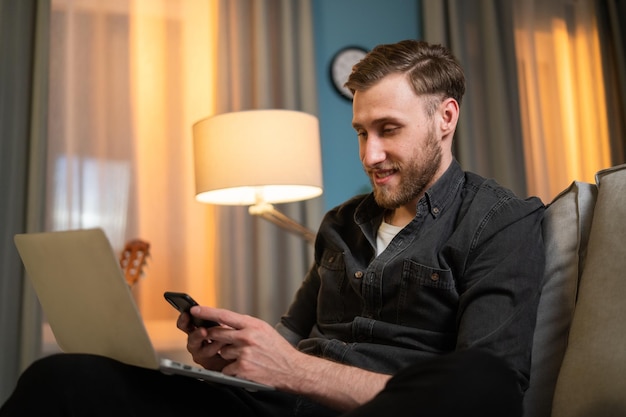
(358, 274)
(434, 276)
(436, 210)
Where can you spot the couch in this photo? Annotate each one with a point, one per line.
(578, 364)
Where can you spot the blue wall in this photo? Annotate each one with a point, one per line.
(340, 23)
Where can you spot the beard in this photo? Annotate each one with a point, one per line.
(414, 177)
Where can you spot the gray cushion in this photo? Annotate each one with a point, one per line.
(592, 380)
(566, 227)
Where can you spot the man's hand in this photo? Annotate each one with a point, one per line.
(244, 346)
(203, 350)
(249, 348)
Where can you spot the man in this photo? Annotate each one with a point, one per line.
(422, 299)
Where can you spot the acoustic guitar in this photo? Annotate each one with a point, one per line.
(133, 259)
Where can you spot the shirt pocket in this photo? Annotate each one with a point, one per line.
(428, 298)
(336, 300)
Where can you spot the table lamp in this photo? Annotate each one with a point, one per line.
(257, 158)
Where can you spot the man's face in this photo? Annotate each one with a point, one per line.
(398, 143)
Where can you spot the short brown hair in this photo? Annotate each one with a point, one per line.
(431, 69)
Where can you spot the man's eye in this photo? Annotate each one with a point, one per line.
(388, 131)
(361, 134)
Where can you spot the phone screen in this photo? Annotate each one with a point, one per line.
(183, 303)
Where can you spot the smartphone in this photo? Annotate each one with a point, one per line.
(183, 303)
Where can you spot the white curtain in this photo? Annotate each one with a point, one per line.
(564, 110)
(173, 47)
(128, 80)
(489, 136)
(535, 111)
(266, 60)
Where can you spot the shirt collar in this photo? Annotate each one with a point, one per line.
(439, 196)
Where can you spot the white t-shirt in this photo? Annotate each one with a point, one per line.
(386, 232)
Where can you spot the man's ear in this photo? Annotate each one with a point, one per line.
(449, 112)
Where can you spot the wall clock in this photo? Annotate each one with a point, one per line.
(341, 67)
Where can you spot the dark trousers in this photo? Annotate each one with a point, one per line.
(464, 383)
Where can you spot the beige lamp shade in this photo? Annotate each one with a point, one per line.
(257, 156)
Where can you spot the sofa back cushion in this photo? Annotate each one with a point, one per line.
(566, 225)
(592, 380)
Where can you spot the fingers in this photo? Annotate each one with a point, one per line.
(224, 317)
(223, 345)
(184, 323)
(202, 343)
(199, 342)
(203, 349)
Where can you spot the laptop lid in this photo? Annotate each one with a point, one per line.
(84, 295)
(89, 306)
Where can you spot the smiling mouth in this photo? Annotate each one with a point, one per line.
(384, 174)
(381, 176)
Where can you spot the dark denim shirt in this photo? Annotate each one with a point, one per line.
(465, 272)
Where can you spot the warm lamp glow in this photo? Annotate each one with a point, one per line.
(257, 156)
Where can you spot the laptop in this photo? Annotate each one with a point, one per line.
(89, 306)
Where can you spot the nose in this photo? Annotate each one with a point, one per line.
(372, 152)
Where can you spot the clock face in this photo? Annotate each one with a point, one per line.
(341, 67)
